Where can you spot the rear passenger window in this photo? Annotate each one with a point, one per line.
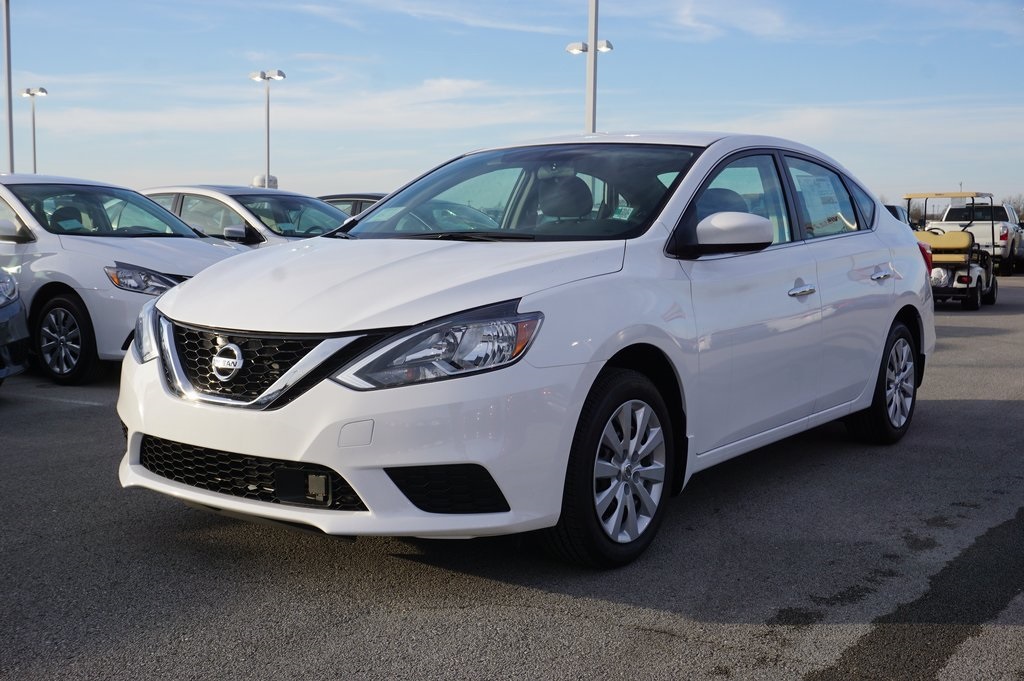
(865, 204)
(822, 202)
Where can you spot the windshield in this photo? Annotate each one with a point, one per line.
(555, 192)
(84, 210)
(978, 213)
(293, 215)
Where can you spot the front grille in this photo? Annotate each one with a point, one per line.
(249, 477)
(450, 488)
(267, 358)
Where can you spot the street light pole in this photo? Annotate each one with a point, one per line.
(7, 79)
(591, 48)
(591, 96)
(32, 93)
(266, 77)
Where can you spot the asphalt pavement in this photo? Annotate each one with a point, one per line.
(815, 558)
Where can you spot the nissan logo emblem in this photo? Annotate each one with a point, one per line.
(227, 362)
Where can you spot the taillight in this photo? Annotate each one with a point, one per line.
(926, 253)
(1003, 231)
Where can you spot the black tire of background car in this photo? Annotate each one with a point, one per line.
(873, 425)
(578, 537)
(88, 367)
(1006, 266)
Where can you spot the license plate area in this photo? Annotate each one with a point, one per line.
(302, 487)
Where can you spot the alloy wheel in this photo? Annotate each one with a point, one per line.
(629, 471)
(60, 341)
(899, 383)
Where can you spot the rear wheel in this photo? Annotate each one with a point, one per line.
(989, 297)
(64, 344)
(895, 396)
(973, 299)
(1006, 266)
(620, 464)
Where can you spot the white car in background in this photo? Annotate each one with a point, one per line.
(87, 256)
(253, 216)
(635, 308)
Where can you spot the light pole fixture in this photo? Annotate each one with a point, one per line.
(266, 77)
(7, 86)
(32, 93)
(581, 48)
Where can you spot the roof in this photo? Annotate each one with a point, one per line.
(26, 178)
(948, 195)
(228, 189)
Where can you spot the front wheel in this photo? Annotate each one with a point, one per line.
(888, 418)
(619, 473)
(65, 346)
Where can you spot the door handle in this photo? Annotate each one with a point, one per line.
(801, 291)
(881, 276)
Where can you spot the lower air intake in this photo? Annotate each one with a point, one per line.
(453, 488)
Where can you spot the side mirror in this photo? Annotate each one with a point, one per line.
(235, 233)
(9, 231)
(729, 232)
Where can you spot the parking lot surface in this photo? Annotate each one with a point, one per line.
(815, 558)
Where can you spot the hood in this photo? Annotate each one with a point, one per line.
(168, 255)
(337, 285)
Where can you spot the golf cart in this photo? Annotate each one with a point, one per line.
(962, 268)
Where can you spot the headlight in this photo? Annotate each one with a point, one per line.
(146, 343)
(479, 340)
(138, 279)
(8, 289)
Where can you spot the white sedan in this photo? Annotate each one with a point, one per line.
(253, 216)
(643, 307)
(87, 256)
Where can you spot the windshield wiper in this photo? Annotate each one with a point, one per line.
(470, 236)
(341, 231)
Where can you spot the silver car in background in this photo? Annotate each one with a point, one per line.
(253, 216)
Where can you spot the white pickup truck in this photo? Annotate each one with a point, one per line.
(987, 221)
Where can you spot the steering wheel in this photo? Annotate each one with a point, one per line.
(936, 230)
(316, 230)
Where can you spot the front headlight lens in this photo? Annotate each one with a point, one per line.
(138, 279)
(480, 340)
(8, 289)
(146, 344)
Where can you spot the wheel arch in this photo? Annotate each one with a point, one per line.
(911, 318)
(46, 293)
(656, 366)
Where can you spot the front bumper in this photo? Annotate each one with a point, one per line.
(14, 342)
(113, 312)
(516, 424)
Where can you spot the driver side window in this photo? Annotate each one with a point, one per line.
(208, 215)
(749, 184)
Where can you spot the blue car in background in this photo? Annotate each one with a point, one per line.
(13, 329)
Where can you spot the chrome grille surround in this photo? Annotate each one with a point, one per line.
(179, 383)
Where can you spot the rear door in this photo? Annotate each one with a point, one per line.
(855, 275)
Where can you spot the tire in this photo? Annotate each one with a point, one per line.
(888, 418)
(973, 299)
(64, 343)
(989, 297)
(617, 484)
(1006, 266)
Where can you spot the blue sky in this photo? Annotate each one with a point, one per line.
(910, 95)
